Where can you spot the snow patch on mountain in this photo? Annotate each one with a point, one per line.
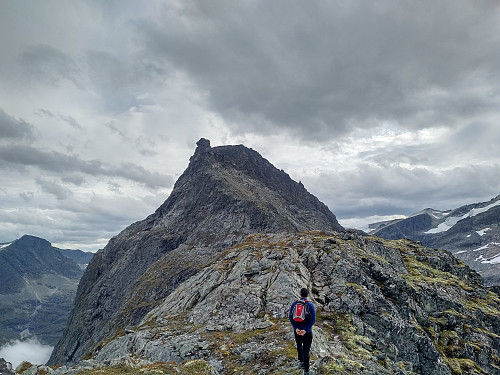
(445, 225)
(4, 245)
(482, 232)
(482, 248)
(494, 259)
(436, 214)
(491, 259)
(452, 220)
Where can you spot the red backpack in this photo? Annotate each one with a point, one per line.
(300, 312)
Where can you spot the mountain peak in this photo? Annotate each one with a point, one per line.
(37, 285)
(29, 239)
(225, 194)
(202, 144)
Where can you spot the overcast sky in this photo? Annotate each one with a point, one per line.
(380, 108)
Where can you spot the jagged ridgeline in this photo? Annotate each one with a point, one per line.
(225, 194)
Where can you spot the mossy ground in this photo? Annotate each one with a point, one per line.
(194, 367)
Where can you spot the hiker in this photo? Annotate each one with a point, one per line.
(302, 315)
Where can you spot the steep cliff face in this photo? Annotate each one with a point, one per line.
(225, 194)
(383, 307)
(37, 288)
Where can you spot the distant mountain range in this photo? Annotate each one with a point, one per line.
(470, 232)
(38, 284)
(82, 258)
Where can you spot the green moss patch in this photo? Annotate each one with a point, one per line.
(194, 367)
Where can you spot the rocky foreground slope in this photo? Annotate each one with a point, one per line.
(384, 307)
(225, 194)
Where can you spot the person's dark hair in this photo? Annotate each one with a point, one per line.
(304, 292)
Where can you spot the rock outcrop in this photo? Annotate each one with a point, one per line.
(383, 307)
(6, 368)
(225, 194)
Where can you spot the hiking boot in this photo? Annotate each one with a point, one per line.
(300, 364)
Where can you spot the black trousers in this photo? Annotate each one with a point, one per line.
(303, 348)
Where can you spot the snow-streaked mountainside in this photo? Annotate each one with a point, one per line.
(470, 232)
(450, 219)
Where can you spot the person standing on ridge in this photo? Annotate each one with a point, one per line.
(302, 315)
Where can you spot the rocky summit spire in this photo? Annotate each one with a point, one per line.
(225, 194)
(203, 144)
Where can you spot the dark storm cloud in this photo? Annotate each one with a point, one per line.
(24, 156)
(15, 129)
(321, 68)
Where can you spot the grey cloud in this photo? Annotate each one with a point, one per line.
(15, 129)
(44, 112)
(50, 65)
(116, 129)
(118, 80)
(53, 188)
(31, 350)
(74, 179)
(135, 172)
(71, 121)
(27, 195)
(463, 145)
(52, 161)
(66, 118)
(322, 68)
(393, 190)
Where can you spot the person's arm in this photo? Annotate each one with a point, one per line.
(290, 316)
(311, 322)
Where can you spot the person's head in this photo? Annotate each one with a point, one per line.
(304, 292)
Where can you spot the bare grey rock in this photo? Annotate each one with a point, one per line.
(6, 367)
